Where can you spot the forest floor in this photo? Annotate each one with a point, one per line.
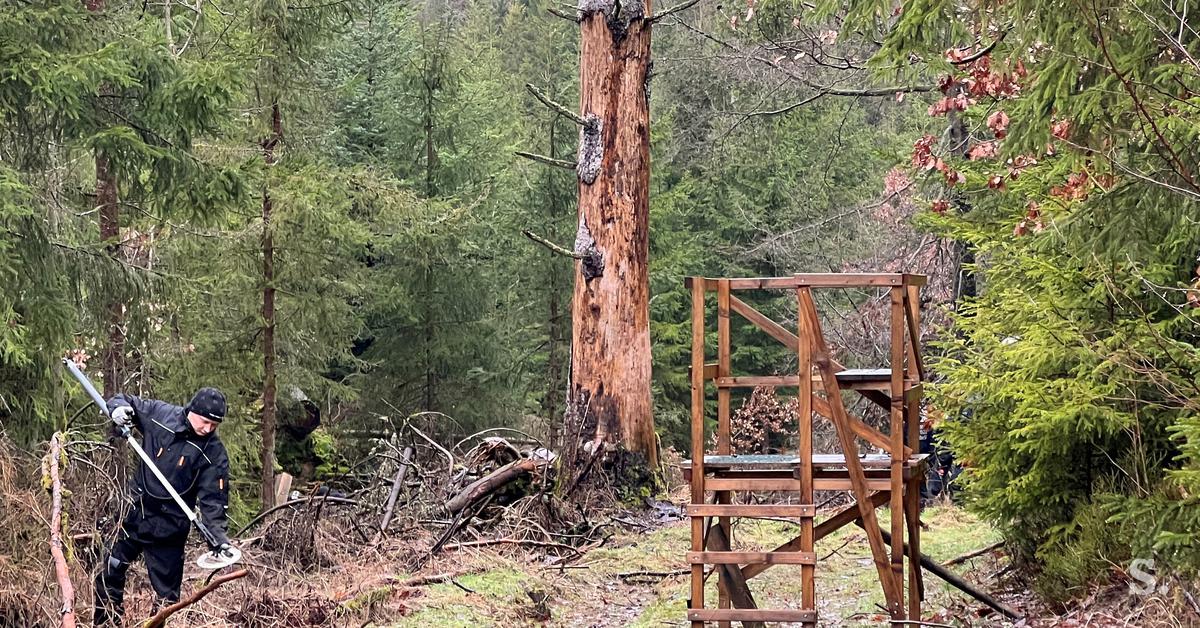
(592, 591)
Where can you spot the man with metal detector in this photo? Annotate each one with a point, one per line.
(190, 467)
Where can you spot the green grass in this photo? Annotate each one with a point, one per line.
(847, 584)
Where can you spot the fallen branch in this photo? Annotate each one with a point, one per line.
(160, 618)
(487, 484)
(302, 500)
(420, 581)
(659, 575)
(397, 484)
(957, 582)
(534, 542)
(61, 572)
(972, 554)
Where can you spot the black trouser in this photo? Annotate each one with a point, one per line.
(157, 538)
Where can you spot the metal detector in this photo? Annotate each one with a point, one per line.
(216, 557)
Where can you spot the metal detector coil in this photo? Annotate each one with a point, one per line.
(219, 558)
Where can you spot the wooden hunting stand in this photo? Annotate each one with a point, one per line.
(892, 478)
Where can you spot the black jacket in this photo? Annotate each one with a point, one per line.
(196, 466)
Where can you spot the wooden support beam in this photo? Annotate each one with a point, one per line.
(751, 510)
(821, 357)
(754, 381)
(815, 280)
(757, 615)
(834, 523)
(808, 582)
(778, 332)
(697, 480)
(896, 448)
(724, 436)
(912, 317)
(747, 558)
(731, 580)
(857, 425)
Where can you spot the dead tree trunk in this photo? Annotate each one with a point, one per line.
(610, 337)
(267, 489)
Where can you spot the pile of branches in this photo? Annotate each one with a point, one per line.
(313, 560)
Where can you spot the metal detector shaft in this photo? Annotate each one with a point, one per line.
(128, 434)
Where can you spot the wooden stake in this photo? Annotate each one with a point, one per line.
(724, 448)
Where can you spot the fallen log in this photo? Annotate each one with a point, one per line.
(61, 571)
(160, 618)
(955, 581)
(489, 483)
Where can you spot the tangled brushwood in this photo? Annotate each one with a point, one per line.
(353, 549)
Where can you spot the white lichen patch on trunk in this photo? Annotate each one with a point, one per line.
(592, 261)
(591, 149)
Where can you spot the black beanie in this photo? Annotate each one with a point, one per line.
(208, 403)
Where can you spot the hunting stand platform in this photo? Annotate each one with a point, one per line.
(892, 478)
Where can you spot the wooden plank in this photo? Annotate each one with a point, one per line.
(808, 583)
(841, 519)
(764, 322)
(723, 430)
(783, 484)
(912, 317)
(744, 615)
(897, 433)
(915, 280)
(731, 581)
(697, 479)
(762, 283)
(751, 510)
(846, 437)
(848, 280)
(912, 518)
(749, 558)
(710, 371)
(754, 381)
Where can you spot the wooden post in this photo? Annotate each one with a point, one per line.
(808, 585)
(912, 515)
(697, 598)
(897, 440)
(821, 358)
(724, 445)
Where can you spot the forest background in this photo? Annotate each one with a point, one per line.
(183, 185)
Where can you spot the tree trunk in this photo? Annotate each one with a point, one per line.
(110, 233)
(267, 489)
(610, 360)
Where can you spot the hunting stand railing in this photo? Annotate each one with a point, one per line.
(892, 478)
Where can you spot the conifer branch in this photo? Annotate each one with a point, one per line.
(562, 111)
(550, 245)
(549, 161)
